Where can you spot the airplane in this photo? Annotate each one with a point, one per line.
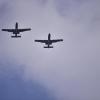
(49, 41)
(16, 31)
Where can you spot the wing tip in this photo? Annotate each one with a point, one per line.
(61, 39)
(30, 29)
(35, 40)
(2, 29)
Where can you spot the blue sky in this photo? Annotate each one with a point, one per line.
(69, 71)
(13, 87)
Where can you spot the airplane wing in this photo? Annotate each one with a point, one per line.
(22, 30)
(8, 30)
(57, 40)
(42, 41)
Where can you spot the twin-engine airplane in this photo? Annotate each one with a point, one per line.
(49, 41)
(16, 31)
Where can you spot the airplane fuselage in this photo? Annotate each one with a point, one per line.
(16, 31)
(49, 42)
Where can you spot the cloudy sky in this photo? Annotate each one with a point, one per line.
(69, 71)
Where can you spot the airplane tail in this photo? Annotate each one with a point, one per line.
(16, 36)
(48, 46)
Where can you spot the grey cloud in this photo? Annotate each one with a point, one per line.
(84, 12)
(71, 68)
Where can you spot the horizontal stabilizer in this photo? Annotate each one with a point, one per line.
(48, 47)
(16, 36)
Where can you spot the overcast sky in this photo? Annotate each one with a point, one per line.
(69, 71)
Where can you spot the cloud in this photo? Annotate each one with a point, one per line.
(71, 68)
(13, 86)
